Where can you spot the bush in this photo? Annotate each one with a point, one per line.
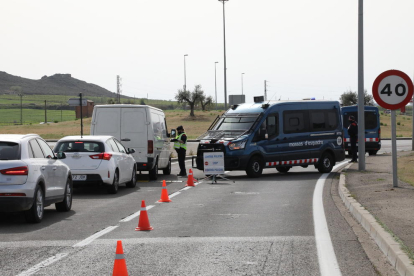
(399, 123)
(56, 121)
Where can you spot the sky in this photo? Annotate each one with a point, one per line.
(301, 48)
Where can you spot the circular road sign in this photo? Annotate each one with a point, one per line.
(392, 89)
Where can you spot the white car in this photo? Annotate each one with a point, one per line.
(32, 177)
(98, 159)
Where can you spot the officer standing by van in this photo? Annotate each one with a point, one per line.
(353, 134)
(180, 146)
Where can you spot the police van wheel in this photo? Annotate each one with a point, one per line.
(283, 169)
(326, 163)
(254, 167)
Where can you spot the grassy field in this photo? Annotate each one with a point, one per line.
(405, 168)
(404, 125)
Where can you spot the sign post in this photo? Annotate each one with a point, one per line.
(214, 165)
(79, 102)
(392, 90)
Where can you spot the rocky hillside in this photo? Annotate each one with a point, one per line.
(58, 84)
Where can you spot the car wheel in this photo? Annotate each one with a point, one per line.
(35, 213)
(372, 152)
(167, 170)
(326, 163)
(113, 189)
(133, 182)
(66, 204)
(153, 172)
(283, 169)
(254, 167)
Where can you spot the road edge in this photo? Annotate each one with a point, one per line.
(391, 248)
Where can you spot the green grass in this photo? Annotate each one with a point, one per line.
(34, 116)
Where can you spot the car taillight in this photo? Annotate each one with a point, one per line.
(16, 171)
(150, 146)
(103, 155)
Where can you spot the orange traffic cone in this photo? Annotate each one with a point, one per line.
(164, 193)
(143, 223)
(120, 268)
(190, 180)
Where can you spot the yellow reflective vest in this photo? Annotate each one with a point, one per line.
(178, 145)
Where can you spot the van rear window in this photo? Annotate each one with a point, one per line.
(371, 119)
(79, 146)
(9, 151)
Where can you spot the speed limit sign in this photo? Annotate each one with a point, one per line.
(392, 89)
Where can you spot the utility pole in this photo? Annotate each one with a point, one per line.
(45, 113)
(265, 92)
(361, 94)
(21, 108)
(118, 88)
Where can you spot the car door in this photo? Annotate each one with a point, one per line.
(124, 163)
(116, 156)
(41, 164)
(58, 169)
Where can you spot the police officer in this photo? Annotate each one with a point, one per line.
(180, 146)
(353, 134)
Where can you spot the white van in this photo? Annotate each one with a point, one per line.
(139, 127)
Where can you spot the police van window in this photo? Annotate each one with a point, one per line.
(317, 120)
(332, 119)
(272, 126)
(294, 121)
(370, 120)
(229, 123)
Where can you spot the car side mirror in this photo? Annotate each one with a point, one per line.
(60, 155)
(173, 133)
(131, 151)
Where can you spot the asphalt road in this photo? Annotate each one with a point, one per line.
(243, 226)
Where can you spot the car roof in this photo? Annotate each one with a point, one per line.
(101, 138)
(16, 137)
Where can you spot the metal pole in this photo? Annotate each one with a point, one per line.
(215, 80)
(242, 81)
(394, 149)
(81, 115)
(185, 75)
(21, 109)
(225, 67)
(361, 94)
(45, 114)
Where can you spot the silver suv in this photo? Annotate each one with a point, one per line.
(32, 177)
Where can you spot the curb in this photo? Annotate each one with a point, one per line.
(391, 249)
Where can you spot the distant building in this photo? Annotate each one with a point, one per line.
(86, 110)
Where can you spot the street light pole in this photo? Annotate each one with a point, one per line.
(242, 81)
(185, 74)
(225, 67)
(215, 80)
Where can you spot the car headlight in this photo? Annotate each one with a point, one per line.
(237, 145)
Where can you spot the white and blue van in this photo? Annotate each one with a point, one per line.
(372, 128)
(278, 134)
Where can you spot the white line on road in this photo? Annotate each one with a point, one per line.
(43, 264)
(134, 215)
(328, 263)
(95, 236)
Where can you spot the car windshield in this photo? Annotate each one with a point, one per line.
(79, 146)
(232, 123)
(9, 151)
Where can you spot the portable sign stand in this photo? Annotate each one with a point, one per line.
(79, 102)
(214, 165)
(393, 90)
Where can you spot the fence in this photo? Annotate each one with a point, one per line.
(10, 115)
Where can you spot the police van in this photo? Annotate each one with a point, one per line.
(276, 134)
(372, 128)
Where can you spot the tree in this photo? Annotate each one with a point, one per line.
(351, 98)
(190, 97)
(205, 101)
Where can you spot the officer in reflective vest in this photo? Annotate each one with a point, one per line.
(180, 146)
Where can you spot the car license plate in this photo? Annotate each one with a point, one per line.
(79, 177)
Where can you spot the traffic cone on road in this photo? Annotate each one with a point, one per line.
(143, 223)
(190, 180)
(164, 193)
(120, 268)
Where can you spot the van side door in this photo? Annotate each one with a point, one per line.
(271, 145)
(295, 132)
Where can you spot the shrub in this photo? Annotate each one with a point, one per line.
(399, 123)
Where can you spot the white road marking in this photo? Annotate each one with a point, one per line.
(328, 264)
(43, 264)
(95, 236)
(174, 194)
(134, 215)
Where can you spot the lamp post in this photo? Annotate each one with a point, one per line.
(215, 80)
(242, 81)
(225, 68)
(185, 75)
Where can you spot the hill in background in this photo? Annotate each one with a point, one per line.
(58, 84)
